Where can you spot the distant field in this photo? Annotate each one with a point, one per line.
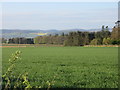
(75, 67)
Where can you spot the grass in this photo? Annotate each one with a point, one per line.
(73, 67)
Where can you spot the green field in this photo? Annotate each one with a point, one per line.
(74, 67)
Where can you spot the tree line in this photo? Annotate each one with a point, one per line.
(103, 37)
(21, 40)
(78, 38)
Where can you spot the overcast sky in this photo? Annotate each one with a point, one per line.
(58, 15)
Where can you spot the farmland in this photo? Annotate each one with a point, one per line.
(74, 67)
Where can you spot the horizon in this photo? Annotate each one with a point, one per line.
(58, 15)
(56, 29)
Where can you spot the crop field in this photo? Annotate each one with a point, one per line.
(66, 67)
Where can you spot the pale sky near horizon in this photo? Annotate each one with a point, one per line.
(58, 15)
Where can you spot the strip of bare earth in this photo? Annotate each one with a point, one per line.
(29, 45)
(50, 45)
(102, 46)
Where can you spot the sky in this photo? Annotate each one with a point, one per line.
(58, 15)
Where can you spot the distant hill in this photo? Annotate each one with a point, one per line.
(8, 33)
(11, 33)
